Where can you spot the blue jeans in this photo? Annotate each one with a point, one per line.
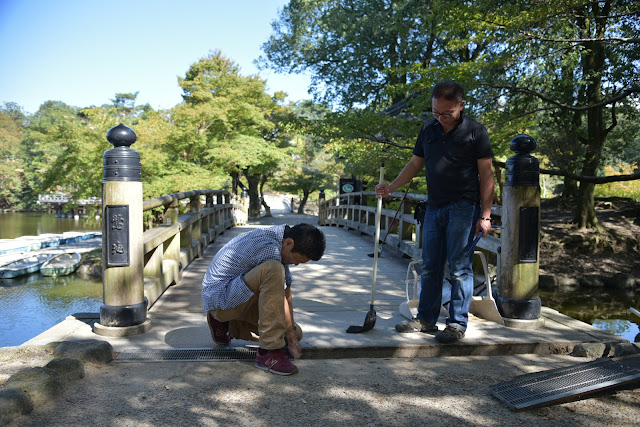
(447, 233)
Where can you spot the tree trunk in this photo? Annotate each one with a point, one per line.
(267, 208)
(593, 66)
(254, 196)
(303, 202)
(570, 189)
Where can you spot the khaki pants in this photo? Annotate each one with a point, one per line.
(263, 315)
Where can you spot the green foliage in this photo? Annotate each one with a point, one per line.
(11, 162)
(564, 72)
(228, 124)
(310, 166)
(626, 189)
(353, 49)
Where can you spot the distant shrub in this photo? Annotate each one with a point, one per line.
(630, 189)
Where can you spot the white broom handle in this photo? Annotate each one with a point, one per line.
(377, 244)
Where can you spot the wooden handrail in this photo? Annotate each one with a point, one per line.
(170, 247)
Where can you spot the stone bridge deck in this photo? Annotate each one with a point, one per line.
(329, 296)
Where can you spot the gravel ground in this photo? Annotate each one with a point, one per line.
(359, 392)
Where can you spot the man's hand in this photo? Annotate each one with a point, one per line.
(484, 226)
(382, 190)
(290, 335)
(293, 345)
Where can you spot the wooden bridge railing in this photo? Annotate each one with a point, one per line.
(170, 247)
(405, 235)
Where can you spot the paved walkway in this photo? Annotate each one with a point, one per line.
(329, 296)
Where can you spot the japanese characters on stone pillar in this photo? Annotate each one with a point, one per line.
(124, 308)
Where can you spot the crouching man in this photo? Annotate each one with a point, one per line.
(247, 291)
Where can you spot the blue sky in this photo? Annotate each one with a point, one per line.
(83, 52)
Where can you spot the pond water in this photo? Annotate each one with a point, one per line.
(32, 304)
(605, 309)
(14, 225)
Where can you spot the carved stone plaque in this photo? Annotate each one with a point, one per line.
(117, 239)
(529, 229)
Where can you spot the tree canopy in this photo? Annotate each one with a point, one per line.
(564, 72)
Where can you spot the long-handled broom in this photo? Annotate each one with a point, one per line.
(393, 221)
(370, 319)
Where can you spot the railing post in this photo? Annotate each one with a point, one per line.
(209, 222)
(171, 214)
(321, 206)
(519, 302)
(124, 308)
(404, 229)
(196, 229)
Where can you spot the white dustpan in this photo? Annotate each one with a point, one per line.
(485, 306)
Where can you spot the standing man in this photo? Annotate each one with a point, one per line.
(247, 291)
(457, 154)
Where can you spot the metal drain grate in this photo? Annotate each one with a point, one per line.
(188, 355)
(564, 383)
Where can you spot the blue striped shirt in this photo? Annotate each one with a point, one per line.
(223, 286)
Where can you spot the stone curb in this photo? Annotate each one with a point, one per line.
(33, 387)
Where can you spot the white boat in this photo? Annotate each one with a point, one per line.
(11, 246)
(61, 265)
(86, 236)
(27, 265)
(50, 240)
(33, 243)
(74, 236)
(11, 257)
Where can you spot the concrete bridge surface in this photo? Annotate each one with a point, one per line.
(329, 296)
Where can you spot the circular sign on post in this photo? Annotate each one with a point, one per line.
(347, 188)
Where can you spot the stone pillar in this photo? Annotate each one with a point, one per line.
(124, 308)
(519, 302)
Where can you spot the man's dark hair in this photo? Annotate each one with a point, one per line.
(449, 90)
(309, 241)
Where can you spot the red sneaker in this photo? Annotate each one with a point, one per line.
(219, 331)
(276, 362)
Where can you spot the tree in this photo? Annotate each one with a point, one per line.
(572, 65)
(11, 160)
(80, 142)
(125, 103)
(357, 51)
(378, 60)
(225, 124)
(564, 72)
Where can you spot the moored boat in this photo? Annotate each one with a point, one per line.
(27, 265)
(61, 265)
(74, 236)
(12, 246)
(50, 240)
(11, 257)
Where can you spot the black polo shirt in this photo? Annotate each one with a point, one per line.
(451, 160)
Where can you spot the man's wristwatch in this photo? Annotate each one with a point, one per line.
(486, 219)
